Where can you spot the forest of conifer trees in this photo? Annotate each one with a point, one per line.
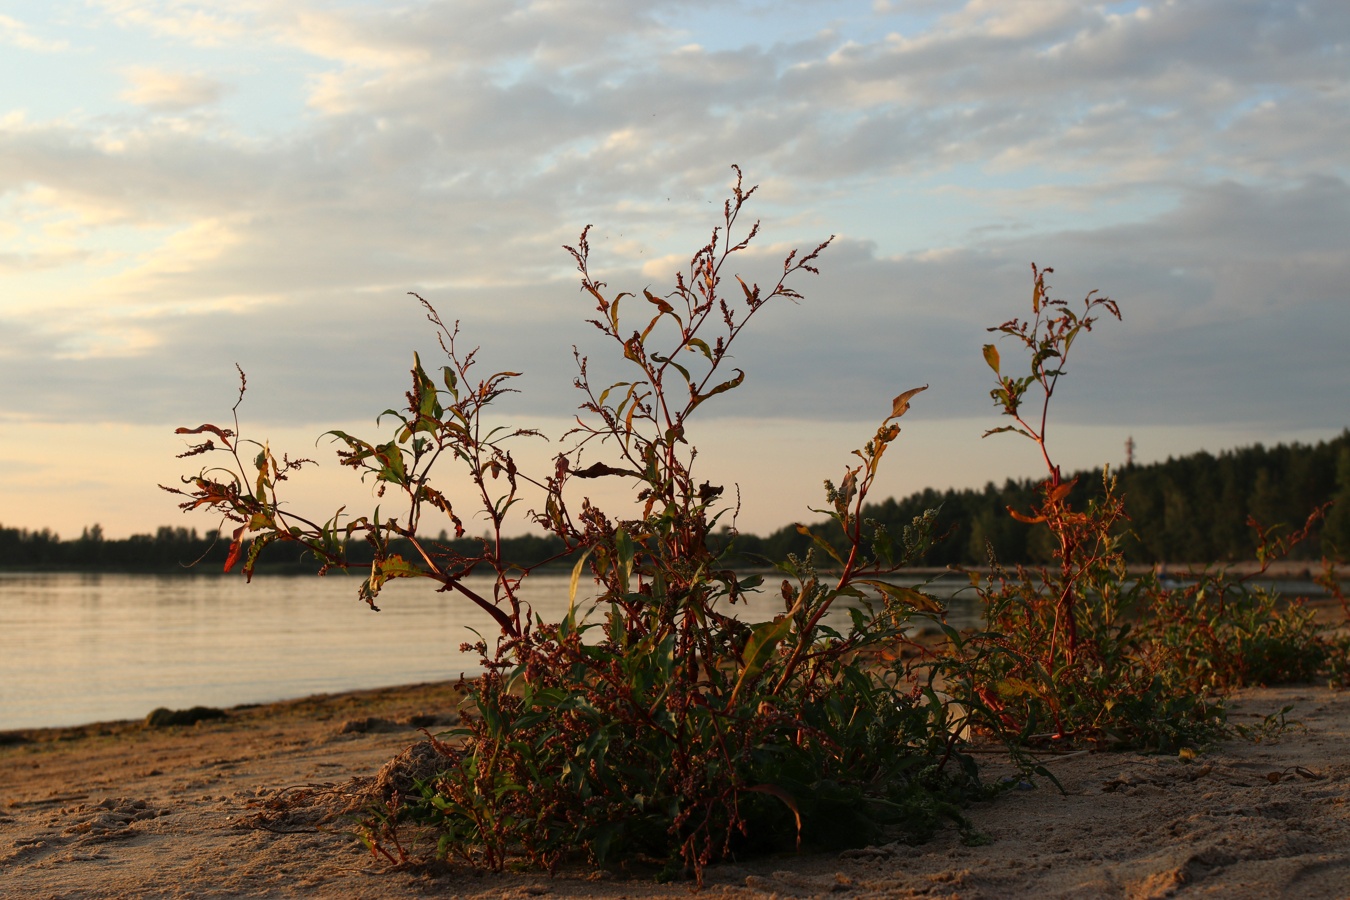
(1193, 509)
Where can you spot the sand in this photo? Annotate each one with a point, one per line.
(250, 806)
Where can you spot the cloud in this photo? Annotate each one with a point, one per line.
(1223, 324)
(164, 91)
(17, 34)
(1186, 158)
(200, 22)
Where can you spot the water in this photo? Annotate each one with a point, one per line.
(88, 647)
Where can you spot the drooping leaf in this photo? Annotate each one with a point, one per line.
(236, 545)
(659, 302)
(991, 357)
(900, 405)
(254, 551)
(774, 790)
(1025, 519)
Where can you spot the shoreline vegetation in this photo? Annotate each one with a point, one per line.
(1179, 511)
(804, 754)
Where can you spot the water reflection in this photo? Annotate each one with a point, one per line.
(89, 647)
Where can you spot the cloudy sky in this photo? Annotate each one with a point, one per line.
(190, 184)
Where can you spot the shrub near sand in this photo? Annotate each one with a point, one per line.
(664, 737)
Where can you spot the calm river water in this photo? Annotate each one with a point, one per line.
(82, 647)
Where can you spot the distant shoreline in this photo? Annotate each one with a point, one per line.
(1281, 569)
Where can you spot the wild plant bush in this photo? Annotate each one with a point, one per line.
(654, 722)
(1081, 652)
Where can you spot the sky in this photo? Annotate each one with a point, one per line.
(188, 185)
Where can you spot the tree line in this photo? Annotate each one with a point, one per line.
(186, 550)
(1195, 508)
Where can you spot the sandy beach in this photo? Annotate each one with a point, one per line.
(257, 804)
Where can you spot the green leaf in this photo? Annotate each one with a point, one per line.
(625, 550)
(614, 311)
(666, 359)
(764, 639)
(991, 357)
(724, 386)
(576, 577)
(254, 549)
(392, 469)
(702, 345)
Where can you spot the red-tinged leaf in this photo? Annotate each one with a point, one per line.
(1062, 491)
(395, 566)
(1027, 520)
(900, 405)
(991, 357)
(660, 303)
(224, 434)
(236, 545)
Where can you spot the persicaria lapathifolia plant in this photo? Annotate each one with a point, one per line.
(653, 722)
(1080, 538)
